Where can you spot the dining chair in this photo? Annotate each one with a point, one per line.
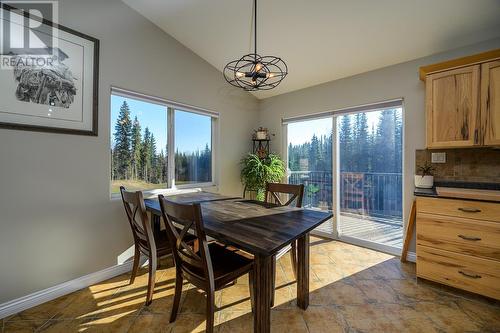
(152, 245)
(284, 195)
(210, 267)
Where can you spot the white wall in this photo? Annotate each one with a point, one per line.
(57, 220)
(383, 84)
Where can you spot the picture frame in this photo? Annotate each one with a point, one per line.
(58, 94)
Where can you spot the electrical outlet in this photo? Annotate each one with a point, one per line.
(438, 157)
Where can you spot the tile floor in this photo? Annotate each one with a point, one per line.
(352, 290)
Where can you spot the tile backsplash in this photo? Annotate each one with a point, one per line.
(468, 165)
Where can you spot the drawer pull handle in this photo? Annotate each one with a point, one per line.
(469, 210)
(472, 276)
(469, 238)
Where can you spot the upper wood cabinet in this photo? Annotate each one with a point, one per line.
(490, 103)
(452, 104)
(463, 102)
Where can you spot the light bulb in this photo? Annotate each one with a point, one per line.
(240, 74)
(258, 67)
(268, 75)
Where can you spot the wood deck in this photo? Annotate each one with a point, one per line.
(383, 231)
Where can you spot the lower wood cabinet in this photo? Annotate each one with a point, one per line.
(462, 271)
(458, 244)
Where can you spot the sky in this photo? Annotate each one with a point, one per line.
(193, 131)
(303, 131)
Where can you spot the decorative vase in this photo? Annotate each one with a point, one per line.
(261, 135)
(424, 181)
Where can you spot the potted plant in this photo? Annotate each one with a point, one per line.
(256, 172)
(425, 178)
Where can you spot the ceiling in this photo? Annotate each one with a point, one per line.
(324, 40)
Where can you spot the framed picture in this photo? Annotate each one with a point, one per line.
(48, 72)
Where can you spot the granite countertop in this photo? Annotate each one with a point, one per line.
(425, 192)
(431, 192)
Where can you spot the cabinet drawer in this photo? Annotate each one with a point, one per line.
(466, 236)
(473, 274)
(488, 211)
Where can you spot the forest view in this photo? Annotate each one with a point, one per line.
(139, 161)
(370, 164)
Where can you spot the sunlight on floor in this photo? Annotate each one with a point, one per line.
(352, 288)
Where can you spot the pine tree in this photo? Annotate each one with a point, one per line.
(384, 148)
(363, 143)
(153, 171)
(398, 121)
(161, 175)
(345, 143)
(146, 155)
(123, 129)
(136, 142)
(314, 153)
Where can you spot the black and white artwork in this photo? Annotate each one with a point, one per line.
(52, 83)
(50, 88)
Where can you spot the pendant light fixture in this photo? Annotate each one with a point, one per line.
(254, 72)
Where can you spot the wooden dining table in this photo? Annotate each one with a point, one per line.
(262, 230)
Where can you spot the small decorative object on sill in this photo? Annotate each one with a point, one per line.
(425, 179)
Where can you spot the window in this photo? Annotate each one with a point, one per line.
(141, 143)
(193, 148)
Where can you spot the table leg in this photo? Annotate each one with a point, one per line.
(303, 272)
(262, 291)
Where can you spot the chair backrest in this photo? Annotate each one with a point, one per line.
(196, 265)
(275, 191)
(138, 219)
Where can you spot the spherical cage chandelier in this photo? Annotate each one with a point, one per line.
(254, 72)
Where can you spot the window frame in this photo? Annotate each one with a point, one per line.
(171, 106)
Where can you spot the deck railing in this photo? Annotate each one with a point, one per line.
(363, 193)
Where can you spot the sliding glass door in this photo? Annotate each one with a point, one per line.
(369, 174)
(350, 162)
(310, 163)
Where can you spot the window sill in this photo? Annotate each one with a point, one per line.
(181, 189)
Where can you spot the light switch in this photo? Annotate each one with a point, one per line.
(438, 157)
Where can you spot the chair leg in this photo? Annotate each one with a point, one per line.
(273, 281)
(210, 311)
(293, 256)
(177, 295)
(153, 262)
(250, 287)
(135, 268)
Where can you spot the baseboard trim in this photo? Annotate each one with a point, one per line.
(412, 257)
(46, 295)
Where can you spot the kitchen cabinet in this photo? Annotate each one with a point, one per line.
(490, 103)
(463, 102)
(452, 108)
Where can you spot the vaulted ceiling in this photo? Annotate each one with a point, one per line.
(324, 40)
